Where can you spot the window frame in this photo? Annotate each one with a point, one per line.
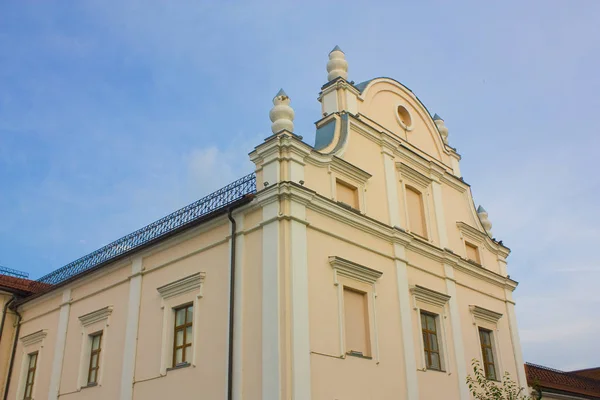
(93, 324)
(94, 352)
(30, 371)
(484, 354)
(477, 252)
(484, 319)
(183, 328)
(349, 274)
(31, 343)
(423, 210)
(427, 348)
(366, 317)
(353, 188)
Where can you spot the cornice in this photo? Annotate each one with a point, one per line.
(414, 175)
(182, 285)
(353, 270)
(481, 237)
(338, 165)
(484, 314)
(34, 338)
(429, 296)
(96, 316)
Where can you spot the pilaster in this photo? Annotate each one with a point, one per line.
(515, 341)
(131, 330)
(238, 314)
(410, 362)
(391, 186)
(59, 347)
(457, 341)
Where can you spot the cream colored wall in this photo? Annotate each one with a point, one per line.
(290, 226)
(204, 249)
(7, 338)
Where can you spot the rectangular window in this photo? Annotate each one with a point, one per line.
(430, 341)
(347, 194)
(487, 350)
(32, 360)
(416, 212)
(356, 323)
(182, 342)
(472, 252)
(95, 348)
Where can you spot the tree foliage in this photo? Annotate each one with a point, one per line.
(483, 388)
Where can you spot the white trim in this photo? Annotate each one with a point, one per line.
(438, 206)
(182, 285)
(353, 270)
(34, 338)
(391, 187)
(516, 343)
(438, 301)
(407, 128)
(271, 342)
(301, 386)
(59, 347)
(238, 313)
(484, 314)
(192, 285)
(35, 343)
(131, 329)
(457, 338)
(429, 296)
(89, 325)
(408, 344)
(96, 316)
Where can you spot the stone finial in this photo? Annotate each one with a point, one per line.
(439, 122)
(337, 65)
(483, 217)
(282, 115)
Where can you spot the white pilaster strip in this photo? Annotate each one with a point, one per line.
(238, 313)
(410, 362)
(59, 347)
(438, 205)
(516, 342)
(271, 358)
(457, 342)
(301, 387)
(131, 330)
(391, 187)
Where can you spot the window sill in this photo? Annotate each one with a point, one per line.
(433, 369)
(358, 355)
(90, 385)
(179, 366)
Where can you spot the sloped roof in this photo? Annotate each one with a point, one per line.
(593, 373)
(562, 382)
(20, 286)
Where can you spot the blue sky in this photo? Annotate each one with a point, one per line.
(113, 114)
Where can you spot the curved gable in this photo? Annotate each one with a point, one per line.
(398, 110)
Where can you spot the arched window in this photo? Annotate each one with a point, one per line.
(416, 212)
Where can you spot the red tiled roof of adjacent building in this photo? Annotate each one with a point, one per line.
(19, 285)
(562, 382)
(593, 373)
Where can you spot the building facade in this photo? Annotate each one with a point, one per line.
(356, 268)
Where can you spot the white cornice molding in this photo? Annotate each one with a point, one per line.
(34, 338)
(95, 316)
(407, 171)
(429, 296)
(350, 269)
(484, 314)
(182, 285)
(482, 238)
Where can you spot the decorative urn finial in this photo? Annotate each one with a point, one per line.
(483, 217)
(282, 115)
(439, 122)
(337, 65)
